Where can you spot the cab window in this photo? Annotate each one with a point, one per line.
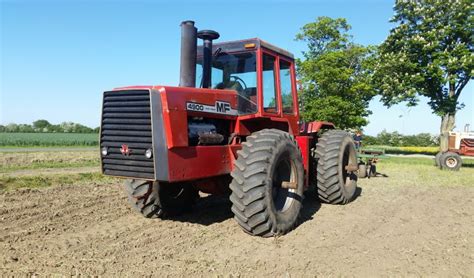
(285, 87)
(269, 88)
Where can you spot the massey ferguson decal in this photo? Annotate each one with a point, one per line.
(221, 107)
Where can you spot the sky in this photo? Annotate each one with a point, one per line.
(57, 57)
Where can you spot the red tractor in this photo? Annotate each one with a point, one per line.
(459, 143)
(236, 130)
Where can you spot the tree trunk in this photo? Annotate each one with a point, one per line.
(447, 124)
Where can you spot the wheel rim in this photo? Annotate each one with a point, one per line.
(348, 158)
(285, 172)
(451, 162)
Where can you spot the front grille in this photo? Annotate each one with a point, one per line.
(126, 120)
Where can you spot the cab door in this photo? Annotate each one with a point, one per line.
(278, 97)
(269, 84)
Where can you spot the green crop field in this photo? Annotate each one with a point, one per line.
(48, 139)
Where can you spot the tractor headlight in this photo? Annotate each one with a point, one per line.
(149, 153)
(104, 151)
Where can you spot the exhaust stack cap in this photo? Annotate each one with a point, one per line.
(208, 35)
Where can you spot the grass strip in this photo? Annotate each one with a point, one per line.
(8, 183)
(468, 163)
(50, 165)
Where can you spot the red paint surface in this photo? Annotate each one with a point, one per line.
(304, 143)
(466, 147)
(190, 163)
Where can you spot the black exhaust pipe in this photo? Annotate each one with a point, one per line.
(207, 36)
(187, 76)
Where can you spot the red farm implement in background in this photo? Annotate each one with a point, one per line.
(235, 129)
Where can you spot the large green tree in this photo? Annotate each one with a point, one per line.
(41, 125)
(334, 75)
(429, 53)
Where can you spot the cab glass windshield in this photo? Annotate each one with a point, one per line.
(234, 71)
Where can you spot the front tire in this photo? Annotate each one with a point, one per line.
(450, 161)
(267, 185)
(335, 150)
(159, 200)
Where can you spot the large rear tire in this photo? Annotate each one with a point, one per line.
(450, 161)
(335, 150)
(159, 200)
(267, 185)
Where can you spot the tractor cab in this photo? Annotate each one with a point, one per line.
(262, 74)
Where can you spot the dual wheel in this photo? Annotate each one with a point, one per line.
(268, 179)
(448, 161)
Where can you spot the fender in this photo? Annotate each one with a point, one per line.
(314, 127)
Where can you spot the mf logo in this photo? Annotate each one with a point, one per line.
(125, 150)
(222, 107)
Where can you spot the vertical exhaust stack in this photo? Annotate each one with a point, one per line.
(207, 36)
(187, 76)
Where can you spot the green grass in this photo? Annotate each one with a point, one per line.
(32, 165)
(401, 171)
(11, 148)
(420, 172)
(50, 165)
(11, 183)
(467, 163)
(48, 139)
(13, 161)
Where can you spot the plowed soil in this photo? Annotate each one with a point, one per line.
(389, 230)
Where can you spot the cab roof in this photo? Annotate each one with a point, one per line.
(234, 46)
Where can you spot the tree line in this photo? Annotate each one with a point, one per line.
(429, 52)
(43, 126)
(395, 139)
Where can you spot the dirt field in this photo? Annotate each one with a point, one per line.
(394, 228)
